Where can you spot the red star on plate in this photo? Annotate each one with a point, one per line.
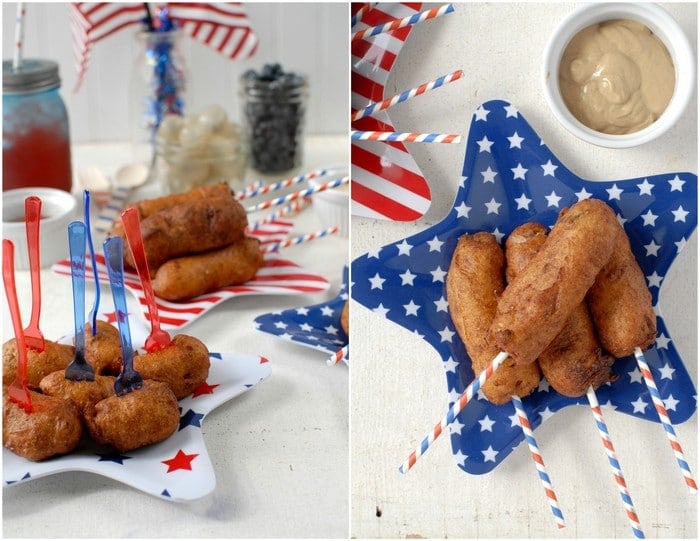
(204, 388)
(181, 461)
(111, 317)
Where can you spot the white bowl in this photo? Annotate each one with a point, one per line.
(332, 206)
(58, 209)
(661, 24)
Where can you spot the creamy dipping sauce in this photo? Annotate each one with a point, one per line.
(616, 77)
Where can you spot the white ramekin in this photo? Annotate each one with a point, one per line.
(333, 206)
(58, 209)
(661, 24)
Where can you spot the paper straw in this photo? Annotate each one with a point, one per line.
(361, 13)
(111, 210)
(406, 21)
(19, 37)
(260, 190)
(524, 421)
(451, 415)
(407, 95)
(614, 464)
(252, 186)
(408, 137)
(665, 420)
(338, 356)
(298, 240)
(294, 206)
(296, 195)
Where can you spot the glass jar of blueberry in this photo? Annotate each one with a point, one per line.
(274, 104)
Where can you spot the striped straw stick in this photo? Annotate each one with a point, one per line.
(260, 190)
(338, 356)
(19, 37)
(294, 206)
(406, 21)
(361, 13)
(408, 137)
(451, 415)
(252, 186)
(665, 420)
(524, 421)
(298, 240)
(407, 95)
(111, 210)
(296, 195)
(614, 464)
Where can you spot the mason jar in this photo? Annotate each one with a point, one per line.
(35, 131)
(273, 113)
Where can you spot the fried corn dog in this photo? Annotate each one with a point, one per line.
(620, 302)
(103, 351)
(574, 360)
(54, 357)
(189, 228)
(84, 394)
(474, 283)
(535, 306)
(187, 277)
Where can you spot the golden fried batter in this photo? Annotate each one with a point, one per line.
(103, 351)
(183, 365)
(187, 277)
(574, 360)
(193, 227)
(54, 357)
(142, 417)
(535, 306)
(52, 428)
(621, 303)
(345, 318)
(474, 283)
(84, 394)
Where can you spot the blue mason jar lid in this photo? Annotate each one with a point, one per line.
(34, 75)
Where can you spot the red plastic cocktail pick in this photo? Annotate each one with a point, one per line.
(32, 215)
(17, 391)
(158, 339)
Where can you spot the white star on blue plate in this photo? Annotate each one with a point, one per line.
(647, 217)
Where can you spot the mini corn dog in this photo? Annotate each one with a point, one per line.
(474, 283)
(535, 306)
(574, 361)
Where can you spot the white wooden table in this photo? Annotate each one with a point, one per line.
(398, 382)
(279, 452)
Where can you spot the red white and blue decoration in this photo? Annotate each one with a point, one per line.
(511, 177)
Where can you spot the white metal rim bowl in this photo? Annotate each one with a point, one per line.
(332, 206)
(661, 24)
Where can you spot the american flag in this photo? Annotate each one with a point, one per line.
(222, 26)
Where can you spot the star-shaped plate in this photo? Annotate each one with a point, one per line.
(511, 177)
(277, 276)
(176, 469)
(316, 326)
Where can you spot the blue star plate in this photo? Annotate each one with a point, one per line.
(317, 326)
(510, 177)
(176, 469)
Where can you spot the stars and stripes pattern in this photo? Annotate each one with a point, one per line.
(510, 177)
(277, 276)
(176, 469)
(386, 181)
(222, 26)
(316, 326)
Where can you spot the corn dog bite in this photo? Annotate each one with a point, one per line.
(621, 302)
(54, 357)
(475, 280)
(536, 304)
(84, 394)
(574, 361)
(103, 350)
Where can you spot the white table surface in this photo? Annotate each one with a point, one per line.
(398, 382)
(279, 451)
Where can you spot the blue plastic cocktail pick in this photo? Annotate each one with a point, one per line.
(78, 369)
(129, 379)
(96, 302)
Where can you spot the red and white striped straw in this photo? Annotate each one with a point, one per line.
(295, 206)
(296, 195)
(614, 464)
(407, 95)
(338, 356)
(665, 420)
(451, 415)
(406, 21)
(260, 189)
(405, 137)
(524, 422)
(18, 52)
(298, 240)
